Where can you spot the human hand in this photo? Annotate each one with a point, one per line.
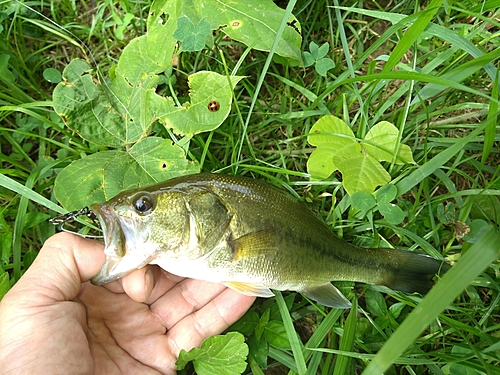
(53, 321)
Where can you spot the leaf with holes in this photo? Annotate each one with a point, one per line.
(210, 102)
(99, 177)
(253, 23)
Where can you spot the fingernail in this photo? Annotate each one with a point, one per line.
(149, 282)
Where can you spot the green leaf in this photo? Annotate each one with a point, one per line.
(52, 75)
(324, 65)
(386, 193)
(192, 36)
(4, 284)
(259, 350)
(347, 341)
(275, 334)
(363, 201)
(375, 303)
(119, 114)
(247, 323)
(308, 59)
(5, 74)
(333, 137)
(392, 213)
(261, 326)
(361, 173)
(253, 23)
(100, 176)
(382, 142)
(317, 57)
(322, 51)
(218, 355)
(196, 116)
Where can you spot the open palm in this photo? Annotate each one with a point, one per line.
(52, 323)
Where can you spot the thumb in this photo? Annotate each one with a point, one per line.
(63, 264)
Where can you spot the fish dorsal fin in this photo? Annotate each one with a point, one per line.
(327, 295)
(250, 289)
(254, 243)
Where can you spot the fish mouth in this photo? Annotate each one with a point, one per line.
(120, 261)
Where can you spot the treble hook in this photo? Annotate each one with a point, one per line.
(72, 216)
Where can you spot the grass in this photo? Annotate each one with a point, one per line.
(430, 69)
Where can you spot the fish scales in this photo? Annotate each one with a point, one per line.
(248, 235)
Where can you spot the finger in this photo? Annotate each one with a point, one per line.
(139, 284)
(183, 299)
(63, 264)
(212, 319)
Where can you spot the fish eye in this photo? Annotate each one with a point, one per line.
(143, 204)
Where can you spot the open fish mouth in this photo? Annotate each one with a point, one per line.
(114, 242)
(120, 260)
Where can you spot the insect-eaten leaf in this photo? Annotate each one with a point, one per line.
(99, 177)
(218, 355)
(114, 114)
(210, 102)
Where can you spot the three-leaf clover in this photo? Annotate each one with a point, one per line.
(317, 58)
(364, 201)
(192, 36)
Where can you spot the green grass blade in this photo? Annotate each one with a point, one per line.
(26, 192)
(438, 161)
(292, 334)
(472, 263)
(412, 34)
(267, 64)
(347, 341)
(490, 131)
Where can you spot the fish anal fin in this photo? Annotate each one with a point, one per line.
(250, 289)
(327, 295)
(254, 243)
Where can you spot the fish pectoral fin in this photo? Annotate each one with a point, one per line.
(250, 289)
(254, 243)
(327, 295)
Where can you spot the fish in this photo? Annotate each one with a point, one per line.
(249, 235)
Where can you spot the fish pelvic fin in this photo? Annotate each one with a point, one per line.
(250, 289)
(327, 295)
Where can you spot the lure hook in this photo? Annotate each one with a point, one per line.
(72, 216)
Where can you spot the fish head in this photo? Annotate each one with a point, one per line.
(136, 226)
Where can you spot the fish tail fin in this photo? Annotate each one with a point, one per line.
(414, 272)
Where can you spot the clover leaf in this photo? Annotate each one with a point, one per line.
(316, 57)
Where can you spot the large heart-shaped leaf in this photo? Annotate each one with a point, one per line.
(100, 176)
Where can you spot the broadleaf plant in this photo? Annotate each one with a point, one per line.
(119, 113)
(359, 162)
(223, 355)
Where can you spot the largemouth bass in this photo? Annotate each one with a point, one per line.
(247, 235)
